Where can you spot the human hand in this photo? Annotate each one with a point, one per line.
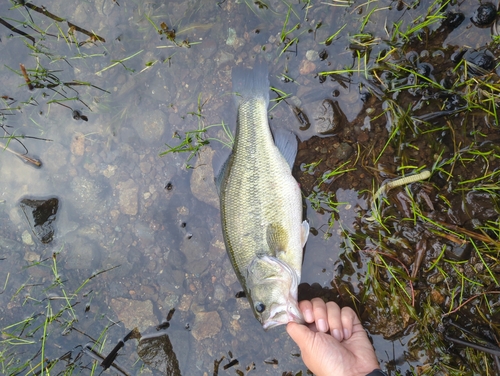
(333, 342)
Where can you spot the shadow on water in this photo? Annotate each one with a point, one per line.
(375, 91)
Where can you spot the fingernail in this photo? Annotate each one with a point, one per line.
(322, 327)
(308, 316)
(347, 334)
(336, 335)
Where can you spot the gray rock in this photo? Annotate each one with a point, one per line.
(86, 195)
(202, 179)
(118, 256)
(223, 57)
(195, 250)
(55, 157)
(81, 254)
(128, 197)
(312, 55)
(339, 154)
(10, 245)
(328, 117)
(152, 127)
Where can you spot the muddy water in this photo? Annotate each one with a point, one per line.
(138, 235)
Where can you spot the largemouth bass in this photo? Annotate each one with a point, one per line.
(261, 205)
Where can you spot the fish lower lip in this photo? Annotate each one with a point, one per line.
(272, 324)
(295, 318)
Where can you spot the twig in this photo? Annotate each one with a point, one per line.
(25, 158)
(26, 77)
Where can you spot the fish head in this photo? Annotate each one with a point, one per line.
(272, 288)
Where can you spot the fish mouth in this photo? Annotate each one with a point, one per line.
(283, 315)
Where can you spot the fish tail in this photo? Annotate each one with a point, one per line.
(251, 83)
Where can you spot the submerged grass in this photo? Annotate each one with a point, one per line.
(29, 346)
(193, 141)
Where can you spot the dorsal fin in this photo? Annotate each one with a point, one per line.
(286, 142)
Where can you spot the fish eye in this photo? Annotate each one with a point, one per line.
(260, 307)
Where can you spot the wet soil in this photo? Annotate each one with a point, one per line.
(419, 118)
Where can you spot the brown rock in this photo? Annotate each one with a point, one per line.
(78, 144)
(307, 67)
(134, 313)
(436, 297)
(206, 325)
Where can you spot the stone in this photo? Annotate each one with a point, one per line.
(41, 214)
(31, 257)
(27, 239)
(86, 195)
(152, 127)
(328, 117)
(195, 250)
(206, 325)
(78, 144)
(156, 351)
(55, 157)
(81, 253)
(128, 197)
(202, 179)
(134, 313)
(312, 55)
(306, 67)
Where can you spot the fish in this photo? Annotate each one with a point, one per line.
(261, 205)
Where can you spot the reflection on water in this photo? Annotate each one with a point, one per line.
(136, 234)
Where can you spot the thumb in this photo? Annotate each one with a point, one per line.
(301, 334)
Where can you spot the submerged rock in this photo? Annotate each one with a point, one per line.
(40, 215)
(453, 20)
(134, 313)
(129, 197)
(152, 127)
(329, 117)
(206, 325)
(157, 351)
(484, 15)
(202, 179)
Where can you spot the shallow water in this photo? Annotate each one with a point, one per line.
(142, 232)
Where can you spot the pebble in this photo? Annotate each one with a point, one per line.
(312, 55)
(185, 303)
(109, 171)
(31, 257)
(27, 239)
(306, 67)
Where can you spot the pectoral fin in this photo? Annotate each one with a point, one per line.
(276, 238)
(304, 233)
